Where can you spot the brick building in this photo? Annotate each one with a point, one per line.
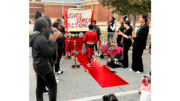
(54, 8)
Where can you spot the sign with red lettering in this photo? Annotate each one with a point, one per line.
(79, 19)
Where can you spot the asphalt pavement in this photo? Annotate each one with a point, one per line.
(77, 85)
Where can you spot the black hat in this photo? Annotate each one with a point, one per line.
(127, 22)
(124, 18)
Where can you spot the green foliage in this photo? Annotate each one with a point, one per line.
(128, 7)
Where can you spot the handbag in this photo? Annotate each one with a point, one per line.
(84, 50)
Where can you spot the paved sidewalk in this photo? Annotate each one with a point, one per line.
(77, 84)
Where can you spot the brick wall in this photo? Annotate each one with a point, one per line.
(100, 12)
(54, 11)
(36, 0)
(37, 6)
(96, 10)
(32, 12)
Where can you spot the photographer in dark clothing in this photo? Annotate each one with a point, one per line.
(46, 35)
(42, 51)
(139, 45)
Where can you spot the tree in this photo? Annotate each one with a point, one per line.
(128, 7)
(106, 3)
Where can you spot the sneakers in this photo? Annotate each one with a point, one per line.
(60, 72)
(130, 70)
(45, 91)
(89, 64)
(95, 53)
(57, 81)
(138, 72)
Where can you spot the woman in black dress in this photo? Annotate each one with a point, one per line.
(126, 42)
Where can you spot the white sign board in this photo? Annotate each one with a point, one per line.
(78, 19)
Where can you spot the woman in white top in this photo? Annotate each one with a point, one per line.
(111, 29)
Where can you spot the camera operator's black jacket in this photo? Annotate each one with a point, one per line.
(42, 51)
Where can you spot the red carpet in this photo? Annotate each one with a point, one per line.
(100, 73)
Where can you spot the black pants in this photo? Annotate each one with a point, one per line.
(137, 64)
(119, 41)
(57, 65)
(125, 52)
(50, 81)
(90, 46)
(95, 45)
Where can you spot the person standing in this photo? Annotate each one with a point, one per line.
(61, 47)
(37, 15)
(46, 35)
(42, 50)
(126, 43)
(63, 32)
(98, 32)
(111, 29)
(121, 29)
(140, 39)
(150, 53)
(90, 39)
